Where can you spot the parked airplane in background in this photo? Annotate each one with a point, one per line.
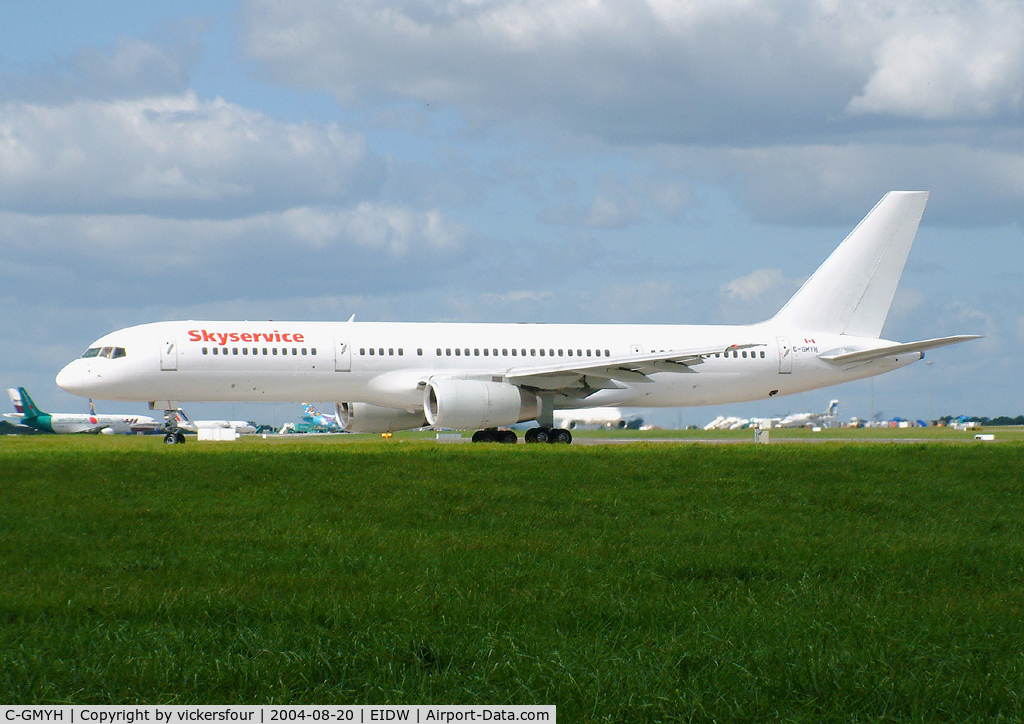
(594, 417)
(395, 376)
(314, 417)
(182, 422)
(809, 419)
(800, 419)
(27, 414)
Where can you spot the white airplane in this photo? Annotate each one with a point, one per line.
(592, 416)
(63, 423)
(799, 419)
(396, 376)
(183, 422)
(808, 419)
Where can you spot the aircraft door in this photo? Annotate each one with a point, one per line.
(785, 356)
(169, 355)
(342, 355)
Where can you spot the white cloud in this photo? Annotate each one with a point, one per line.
(174, 155)
(382, 247)
(838, 183)
(656, 70)
(756, 285)
(953, 61)
(131, 68)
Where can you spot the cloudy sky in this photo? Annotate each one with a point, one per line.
(508, 160)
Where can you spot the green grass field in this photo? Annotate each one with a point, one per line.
(826, 582)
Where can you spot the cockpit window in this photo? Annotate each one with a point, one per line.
(107, 352)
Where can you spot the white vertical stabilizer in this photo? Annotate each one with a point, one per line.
(852, 291)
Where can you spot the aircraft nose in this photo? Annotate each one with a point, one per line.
(70, 379)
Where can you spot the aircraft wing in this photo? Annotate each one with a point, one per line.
(585, 377)
(96, 430)
(841, 357)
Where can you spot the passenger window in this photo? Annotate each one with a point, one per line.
(514, 352)
(245, 350)
(381, 351)
(304, 351)
(205, 350)
(275, 350)
(504, 352)
(391, 351)
(542, 353)
(234, 350)
(265, 351)
(401, 352)
(458, 352)
(476, 352)
(371, 351)
(313, 351)
(467, 351)
(495, 353)
(560, 354)
(487, 352)
(762, 355)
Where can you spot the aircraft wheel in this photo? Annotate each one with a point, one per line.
(560, 437)
(174, 438)
(509, 437)
(541, 434)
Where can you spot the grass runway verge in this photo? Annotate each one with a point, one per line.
(827, 582)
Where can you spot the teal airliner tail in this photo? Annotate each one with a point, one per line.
(29, 408)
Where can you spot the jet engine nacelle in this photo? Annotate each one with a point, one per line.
(475, 404)
(363, 417)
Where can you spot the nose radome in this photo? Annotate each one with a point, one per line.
(69, 379)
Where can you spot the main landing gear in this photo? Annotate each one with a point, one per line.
(534, 434)
(554, 435)
(507, 437)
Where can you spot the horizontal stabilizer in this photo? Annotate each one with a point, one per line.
(841, 357)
